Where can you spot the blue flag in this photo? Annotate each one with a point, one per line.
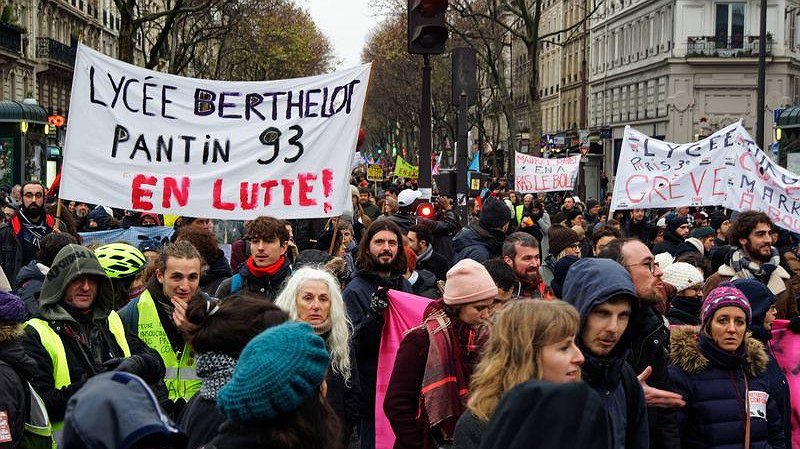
(475, 165)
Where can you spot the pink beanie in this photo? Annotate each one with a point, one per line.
(468, 281)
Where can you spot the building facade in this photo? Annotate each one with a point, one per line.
(681, 69)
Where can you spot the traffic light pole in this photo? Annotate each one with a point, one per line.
(762, 75)
(461, 161)
(424, 180)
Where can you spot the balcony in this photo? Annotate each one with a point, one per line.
(725, 46)
(54, 50)
(10, 38)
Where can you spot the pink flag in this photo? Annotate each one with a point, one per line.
(404, 312)
(786, 346)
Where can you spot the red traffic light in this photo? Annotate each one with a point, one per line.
(429, 8)
(425, 210)
(427, 27)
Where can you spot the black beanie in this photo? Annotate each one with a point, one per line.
(560, 238)
(676, 222)
(494, 213)
(716, 220)
(560, 273)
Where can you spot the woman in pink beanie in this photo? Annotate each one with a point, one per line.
(428, 389)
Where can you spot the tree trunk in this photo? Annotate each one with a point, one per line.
(126, 39)
(534, 100)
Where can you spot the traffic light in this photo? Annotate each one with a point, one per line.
(427, 29)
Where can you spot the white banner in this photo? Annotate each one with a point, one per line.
(535, 174)
(654, 174)
(756, 182)
(150, 141)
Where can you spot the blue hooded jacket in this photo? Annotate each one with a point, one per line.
(589, 283)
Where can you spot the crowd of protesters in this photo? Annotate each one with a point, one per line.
(551, 323)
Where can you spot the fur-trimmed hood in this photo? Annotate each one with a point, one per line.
(10, 331)
(685, 352)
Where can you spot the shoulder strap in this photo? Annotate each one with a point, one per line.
(237, 281)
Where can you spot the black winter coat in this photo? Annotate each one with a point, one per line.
(669, 244)
(684, 311)
(218, 270)
(650, 347)
(367, 328)
(476, 243)
(200, 420)
(16, 368)
(426, 285)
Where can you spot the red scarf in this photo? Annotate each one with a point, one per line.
(269, 270)
(445, 385)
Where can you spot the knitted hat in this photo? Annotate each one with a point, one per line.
(723, 296)
(468, 281)
(676, 222)
(716, 220)
(494, 213)
(571, 215)
(664, 260)
(703, 232)
(11, 308)
(561, 237)
(277, 371)
(682, 275)
(560, 274)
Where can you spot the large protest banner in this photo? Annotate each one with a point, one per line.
(535, 174)
(654, 174)
(151, 141)
(756, 182)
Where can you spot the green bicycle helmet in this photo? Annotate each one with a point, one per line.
(120, 260)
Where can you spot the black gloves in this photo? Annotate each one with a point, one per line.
(133, 364)
(380, 301)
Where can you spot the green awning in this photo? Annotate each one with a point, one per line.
(789, 118)
(16, 111)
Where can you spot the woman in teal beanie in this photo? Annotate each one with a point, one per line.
(276, 398)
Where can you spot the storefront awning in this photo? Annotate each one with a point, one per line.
(16, 111)
(789, 118)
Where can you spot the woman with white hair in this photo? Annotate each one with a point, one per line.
(313, 296)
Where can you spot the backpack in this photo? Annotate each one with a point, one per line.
(237, 282)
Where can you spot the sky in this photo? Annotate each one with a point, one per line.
(347, 24)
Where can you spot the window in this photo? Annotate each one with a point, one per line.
(729, 25)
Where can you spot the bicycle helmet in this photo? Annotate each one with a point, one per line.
(120, 260)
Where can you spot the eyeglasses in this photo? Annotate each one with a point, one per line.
(650, 264)
(31, 195)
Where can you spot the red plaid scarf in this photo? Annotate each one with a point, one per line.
(445, 385)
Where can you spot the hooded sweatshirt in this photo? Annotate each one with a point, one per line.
(589, 283)
(86, 337)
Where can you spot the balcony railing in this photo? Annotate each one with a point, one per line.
(725, 46)
(10, 38)
(54, 50)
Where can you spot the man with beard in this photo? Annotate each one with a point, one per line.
(637, 225)
(649, 353)
(20, 237)
(420, 241)
(677, 231)
(381, 263)
(521, 253)
(754, 257)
